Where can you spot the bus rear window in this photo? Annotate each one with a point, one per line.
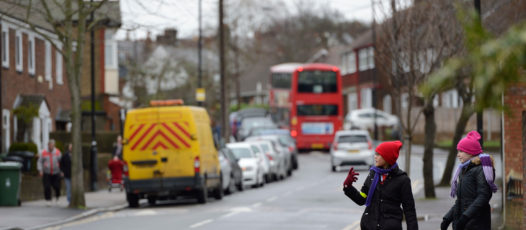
(317, 82)
(317, 110)
(281, 80)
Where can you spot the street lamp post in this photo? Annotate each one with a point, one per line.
(93, 149)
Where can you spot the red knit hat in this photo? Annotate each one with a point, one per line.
(389, 151)
(470, 144)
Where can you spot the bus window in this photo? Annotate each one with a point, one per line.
(317, 82)
(281, 80)
(317, 110)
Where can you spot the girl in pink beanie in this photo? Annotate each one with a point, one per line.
(473, 185)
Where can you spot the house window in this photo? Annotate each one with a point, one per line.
(404, 98)
(58, 67)
(18, 51)
(31, 54)
(48, 64)
(351, 62)
(388, 108)
(6, 140)
(363, 59)
(5, 46)
(110, 50)
(366, 98)
(352, 100)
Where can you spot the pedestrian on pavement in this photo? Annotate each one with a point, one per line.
(49, 169)
(117, 148)
(472, 184)
(65, 167)
(386, 188)
(116, 167)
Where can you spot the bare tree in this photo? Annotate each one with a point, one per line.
(415, 41)
(69, 20)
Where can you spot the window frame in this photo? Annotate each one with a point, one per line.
(19, 51)
(5, 45)
(59, 68)
(31, 54)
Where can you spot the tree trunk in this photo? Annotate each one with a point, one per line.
(467, 111)
(74, 62)
(430, 133)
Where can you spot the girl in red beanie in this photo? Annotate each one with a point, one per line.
(475, 176)
(386, 192)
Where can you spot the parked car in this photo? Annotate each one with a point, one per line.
(230, 171)
(237, 117)
(252, 123)
(272, 156)
(351, 147)
(284, 137)
(248, 161)
(263, 160)
(281, 147)
(364, 119)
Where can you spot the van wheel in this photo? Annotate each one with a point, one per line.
(133, 200)
(218, 193)
(202, 194)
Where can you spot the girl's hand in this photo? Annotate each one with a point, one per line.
(351, 177)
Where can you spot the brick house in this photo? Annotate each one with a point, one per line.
(33, 73)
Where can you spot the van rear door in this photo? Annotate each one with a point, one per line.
(143, 140)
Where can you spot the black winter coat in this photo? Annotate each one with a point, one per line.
(65, 165)
(385, 211)
(473, 195)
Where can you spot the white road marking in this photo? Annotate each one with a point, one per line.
(272, 199)
(235, 211)
(146, 212)
(416, 186)
(256, 204)
(353, 226)
(201, 223)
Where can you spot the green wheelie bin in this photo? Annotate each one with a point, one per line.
(10, 180)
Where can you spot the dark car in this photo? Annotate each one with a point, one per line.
(236, 173)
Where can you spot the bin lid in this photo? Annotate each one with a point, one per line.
(10, 165)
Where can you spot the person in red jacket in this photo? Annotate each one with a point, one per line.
(386, 192)
(116, 167)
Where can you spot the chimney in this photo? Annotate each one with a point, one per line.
(168, 38)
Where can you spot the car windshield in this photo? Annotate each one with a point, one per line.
(241, 152)
(352, 139)
(265, 147)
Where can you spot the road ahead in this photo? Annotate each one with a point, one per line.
(311, 199)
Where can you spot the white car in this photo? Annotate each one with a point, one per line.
(272, 155)
(364, 119)
(284, 152)
(351, 147)
(249, 163)
(226, 172)
(263, 160)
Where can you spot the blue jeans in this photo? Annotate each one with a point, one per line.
(67, 181)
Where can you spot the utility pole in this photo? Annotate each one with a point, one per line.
(480, 117)
(224, 110)
(199, 56)
(93, 168)
(375, 82)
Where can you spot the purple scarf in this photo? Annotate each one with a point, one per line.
(487, 167)
(378, 173)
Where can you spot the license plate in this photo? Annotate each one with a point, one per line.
(354, 151)
(317, 146)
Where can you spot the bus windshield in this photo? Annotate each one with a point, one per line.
(317, 82)
(317, 110)
(281, 80)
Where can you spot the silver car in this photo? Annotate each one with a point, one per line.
(282, 148)
(351, 147)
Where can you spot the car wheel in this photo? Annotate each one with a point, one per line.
(133, 200)
(333, 168)
(152, 200)
(240, 186)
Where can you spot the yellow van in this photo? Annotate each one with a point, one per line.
(170, 152)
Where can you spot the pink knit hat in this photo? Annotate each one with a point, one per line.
(470, 144)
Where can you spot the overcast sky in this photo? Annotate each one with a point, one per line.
(138, 16)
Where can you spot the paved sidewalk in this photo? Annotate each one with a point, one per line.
(36, 215)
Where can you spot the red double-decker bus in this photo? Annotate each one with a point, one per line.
(316, 105)
(279, 90)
